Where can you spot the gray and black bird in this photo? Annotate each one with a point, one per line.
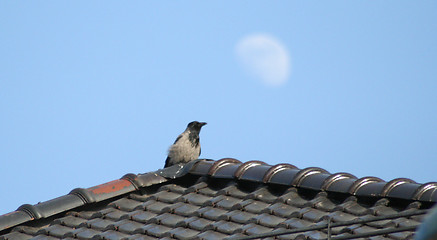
(187, 146)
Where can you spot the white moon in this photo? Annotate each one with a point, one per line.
(265, 58)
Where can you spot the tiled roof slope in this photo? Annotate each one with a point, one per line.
(228, 199)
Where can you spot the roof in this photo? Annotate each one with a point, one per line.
(207, 199)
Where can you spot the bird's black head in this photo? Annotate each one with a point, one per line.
(196, 125)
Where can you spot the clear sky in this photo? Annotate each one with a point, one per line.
(92, 90)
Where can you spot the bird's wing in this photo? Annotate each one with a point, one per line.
(167, 162)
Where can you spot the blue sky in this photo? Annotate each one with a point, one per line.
(90, 91)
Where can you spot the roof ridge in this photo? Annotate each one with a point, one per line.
(315, 178)
(227, 168)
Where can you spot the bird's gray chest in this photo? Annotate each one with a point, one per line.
(183, 150)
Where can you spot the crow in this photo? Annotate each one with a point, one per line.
(187, 145)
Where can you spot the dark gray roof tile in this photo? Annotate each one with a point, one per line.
(158, 207)
(269, 220)
(199, 224)
(253, 206)
(183, 233)
(312, 214)
(195, 198)
(127, 226)
(241, 217)
(141, 237)
(208, 192)
(84, 214)
(186, 210)
(339, 216)
(207, 235)
(26, 229)
(82, 233)
(44, 237)
(167, 197)
(295, 236)
(262, 194)
(252, 228)
(97, 223)
(227, 227)
(159, 231)
(404, 222)
(227, 202)
(112, 235)
(382, 223)
(113, 214)
(125, 204)
(283, 210)
(141, 216)
(291, 197)
(296, 223)
(362, 229)
(401, 235)
(55, 231)
(170, 220)
(316, 235)
(351, 205)
(232, 190)
(213, 213)
(173, 188)
(15, 236)
(322, 202)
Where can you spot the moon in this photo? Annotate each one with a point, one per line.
(265, 58)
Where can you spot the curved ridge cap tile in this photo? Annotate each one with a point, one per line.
(336, 178)
(363, 182)
(423, 189)
(31, 210)
(243, 167)
(221, 163)
(143, 180)
(13, 219)
(302, 174)
(393, 184)
(275, 169)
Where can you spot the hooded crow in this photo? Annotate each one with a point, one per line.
(187, 146)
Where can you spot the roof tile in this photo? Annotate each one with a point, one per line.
(186, 210)
(125, 204)
(112, 235)
(232, 190)
(159, 231)
(127, 226)
(196, 199)
(199, 223)
(227, 227)
(141, 237)
(253, 206)
(241, 217)
(44, 237)
(183, 233)
(167, 197)
(269, 220)
(82, 233)
(212, 213)
(211, 235)
(15, 236)
(141, 216)
(170, 220)
(283, 210)
(55, 230)
(253, 228)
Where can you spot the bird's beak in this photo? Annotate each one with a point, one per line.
(202, 124)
